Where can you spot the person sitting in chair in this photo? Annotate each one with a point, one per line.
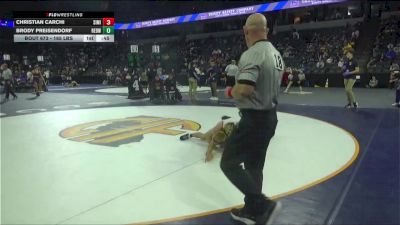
(158, 85)
(171, 90)
(373, 82)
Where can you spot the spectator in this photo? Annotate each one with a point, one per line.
(329, 60)
(397, 49)
(46, 76)
(286, 53)
(348, 47)
(390, 54)
(118, 73)
(135, 90)
(69, 79)
(373, 82)
(118, 80)
(151, 74)
(338, 15)
(295, 34)
(201, 52)
(285, 76)
(320, 63)
(159, 70)
(158, 95)
(24, 82)
(72, 83)
(144, 81)
(354, 35)
(109, 75)
(63, 78)
(375, 57)
(295, 76)
(394, 71)
(394, 67)
(340, 63)
(396, 80)
(172, 91)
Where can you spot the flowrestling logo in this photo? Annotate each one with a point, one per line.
(116, 132)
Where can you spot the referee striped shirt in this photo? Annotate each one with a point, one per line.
(232, 70)
(261, 66)
(7, 74)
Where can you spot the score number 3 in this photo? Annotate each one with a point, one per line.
(108, 21)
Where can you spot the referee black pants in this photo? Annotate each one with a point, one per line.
(8, 89)
(244, 155)
(230, 81)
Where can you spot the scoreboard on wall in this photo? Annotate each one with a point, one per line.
(63, 26)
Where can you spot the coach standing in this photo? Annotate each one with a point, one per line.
(351, 70)
(255, 93)
(193, 78)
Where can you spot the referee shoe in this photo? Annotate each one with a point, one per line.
(271, 211)
(267, 217)
(243, 215)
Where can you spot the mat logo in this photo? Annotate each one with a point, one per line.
(123, 131)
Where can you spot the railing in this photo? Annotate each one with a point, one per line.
(389, 14)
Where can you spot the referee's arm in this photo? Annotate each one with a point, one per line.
(246, 82)
(243, 89)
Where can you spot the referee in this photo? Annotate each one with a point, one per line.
(7, 76)
(255, 94)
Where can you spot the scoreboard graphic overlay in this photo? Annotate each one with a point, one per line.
(64, 27)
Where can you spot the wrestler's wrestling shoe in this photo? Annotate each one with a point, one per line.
(225, 117)
(185, 137)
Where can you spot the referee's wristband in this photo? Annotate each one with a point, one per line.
(229, 92)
